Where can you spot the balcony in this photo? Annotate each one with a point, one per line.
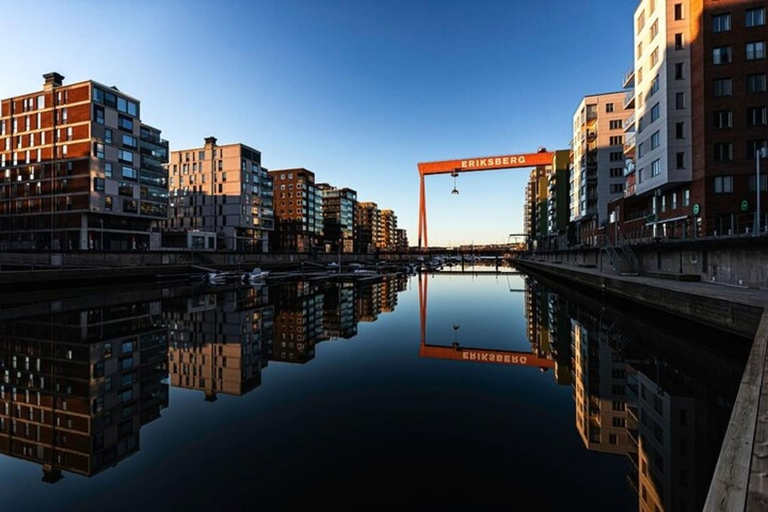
(630, 141)
(629, 99)
(629, 79)
(629, 122)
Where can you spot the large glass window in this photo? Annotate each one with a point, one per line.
(756, 17)
(130, 141)
(129, 173)
(125, 156)
(721, 23)
(756, 50)
(656, 167)
(721, 55)
(756, 83)
(655, 112)
(723, 87)
(723, 151)
(125, 123)
(723, 184)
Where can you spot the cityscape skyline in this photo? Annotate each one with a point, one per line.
(316, 90)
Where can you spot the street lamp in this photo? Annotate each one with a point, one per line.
(759, 154)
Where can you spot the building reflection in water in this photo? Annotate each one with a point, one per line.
(630, 401)
(76, 387)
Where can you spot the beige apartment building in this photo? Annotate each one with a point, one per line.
(597, 170)
(221, 189)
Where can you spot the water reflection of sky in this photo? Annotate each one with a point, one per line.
(368, 421)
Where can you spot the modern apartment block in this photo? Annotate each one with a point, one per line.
(219, 343)
(729, 115)
(387, 227)
(367, 226)
(597, 171)
(298, 211)
(78, 169)
(299, 317)
(78, 386)
(535, 210)
(221, 189)
(401, 240)
(338, 217)
(558, 200)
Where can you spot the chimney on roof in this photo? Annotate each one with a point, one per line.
(52, 80)
(210, 141)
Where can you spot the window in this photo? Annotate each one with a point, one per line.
(656, 167)
(641, 150)
(617, 188)
(130, 142)
(680, 101)
(723, 87)
(619, 422)
(108, 136)
(98, 114)
(617, 156)
(723, 119)
(756, 83)
(674, 201)
(98, 184)
(680, 160)
(654, 86)
(201, 155)
(763, 182)
(125, 189)
(655, 140)
(616, 140)
(721, 23)
(125, 156)
(129, 173)
(756, 116)
(609, 107)
(654, 29)
(108, 169)
(678, 41)
(125, 123)
(723, 184)
(639, 50)
(655, 112)
(679, 71)
(756, 17)
(98, 150)
(756, 50)
(753, 146)
(616, 124)
(680, 130)
(678, 12)
(108, 203)
(687, 197)
(617, 172)
(654, 57)
(721, 55)
(723, 151)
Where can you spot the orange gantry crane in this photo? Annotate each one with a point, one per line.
(455, 167)
(456, 352)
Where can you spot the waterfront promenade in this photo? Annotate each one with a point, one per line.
(740, 482)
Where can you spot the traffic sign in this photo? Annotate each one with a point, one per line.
(744, 205)
(696, 209)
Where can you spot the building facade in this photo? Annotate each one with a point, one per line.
(298, 211)
(387, 240)
(367, 224)
(221, 189)
(338, 217)
(79, 170)
(597, 171)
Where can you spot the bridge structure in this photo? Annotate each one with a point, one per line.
(456, 352)
(456, 167)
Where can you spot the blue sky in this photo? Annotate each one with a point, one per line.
(357, 91)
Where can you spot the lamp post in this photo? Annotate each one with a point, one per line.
(759, 154)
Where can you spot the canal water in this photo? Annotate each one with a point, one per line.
(451, 391)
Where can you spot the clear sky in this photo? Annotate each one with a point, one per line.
(358, 91)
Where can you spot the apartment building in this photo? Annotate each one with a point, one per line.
(299, 322)
(219, 343)
(387, 227)
(221, 189)
(558, 200)
(401, 240)
(597, 171)
(78, 386)
(338, 217)
(298, 211)
(79, 170)
(367, 226)
(535, 210)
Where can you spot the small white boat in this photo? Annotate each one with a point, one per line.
(216, 277)
(255, 275)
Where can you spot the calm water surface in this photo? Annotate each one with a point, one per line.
(472, 392)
